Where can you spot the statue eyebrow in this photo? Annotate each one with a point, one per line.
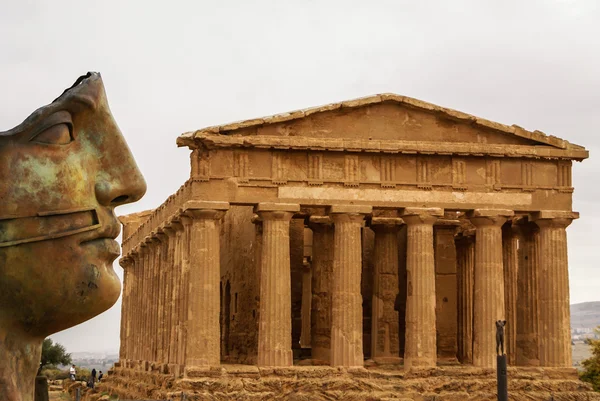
(86, 101)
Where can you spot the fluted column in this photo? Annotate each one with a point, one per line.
(528, 318)
(346, 298)
(182, 258)
(146, 303)
(133, 278)
(555, 337)
(510, 257)
(126, 264)
(171, 312)
(488, 295)
(156, 295)
(322, 266)
(137, 348)
(160, 237)
(465, 267)
(420, 346)
(275, 325)
(203, 332)
(384, 319)
(305, 341)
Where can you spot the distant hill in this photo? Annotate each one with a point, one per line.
(585, 314)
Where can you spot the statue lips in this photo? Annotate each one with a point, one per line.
(104, 240)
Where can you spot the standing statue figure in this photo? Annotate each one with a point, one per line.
(500, 336)
(63, 171)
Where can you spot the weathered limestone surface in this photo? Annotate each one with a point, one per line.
(408, 296)
(528, 334)
(446, 288)
(420, 347)
(346, 299)
(203, 340)
(488, 293)
(384, 319)
(275, 331)
(555, 335)
(324, 383)
(322, 266)
(510, 257)
(465, 268)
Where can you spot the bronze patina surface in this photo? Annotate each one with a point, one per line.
(63, 171)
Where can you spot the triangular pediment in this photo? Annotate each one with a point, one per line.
(386, 117)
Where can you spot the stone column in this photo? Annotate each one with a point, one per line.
(420, 337)
(488, 292)
(322, 266)
(159, 294)
(182, 259)
(346, 298)
(555, 334)
(306, 304)
(137, 348)
(510, 257)
(465, 266)
(258, 240)
(172, 312)
(528, 341)
(133, 277)
(166, 289)
(384, 319)
(126, 264)
(155, 297)
(275, 325)
(446, 293)
(203, 343)
(146, 303)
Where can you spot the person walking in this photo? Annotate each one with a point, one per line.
(100, 375)
(72, 373)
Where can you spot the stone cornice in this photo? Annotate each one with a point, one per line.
(211, 141)
(187, 139)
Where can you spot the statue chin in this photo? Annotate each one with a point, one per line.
(72, 284)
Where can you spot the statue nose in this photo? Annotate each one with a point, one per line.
(127, 187)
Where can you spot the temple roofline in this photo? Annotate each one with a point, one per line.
(186, 139)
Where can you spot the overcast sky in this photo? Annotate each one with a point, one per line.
(171, 67)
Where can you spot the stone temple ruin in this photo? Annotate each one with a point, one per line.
(360, 250)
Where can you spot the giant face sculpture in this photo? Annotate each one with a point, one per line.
(62, 173)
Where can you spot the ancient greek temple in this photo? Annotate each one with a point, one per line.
(378, 231)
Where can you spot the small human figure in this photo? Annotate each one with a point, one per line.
(100, 375)
(500, 336)
(72, 372)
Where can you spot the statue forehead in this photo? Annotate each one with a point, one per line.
(87, 91)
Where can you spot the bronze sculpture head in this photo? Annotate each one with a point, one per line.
(62, 173)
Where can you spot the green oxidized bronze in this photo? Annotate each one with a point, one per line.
(62, 173)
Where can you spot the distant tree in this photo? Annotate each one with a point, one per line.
(591, 366)
(53, 354)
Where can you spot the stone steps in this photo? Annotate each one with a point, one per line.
(251, 383)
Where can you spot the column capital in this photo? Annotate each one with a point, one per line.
(316, 223)
(125, 261)
(386, 223)
(161, 234)
(489, 217)
(554, 218)
(203, 210)
(276, 211)
(421, 215)
(350, 209)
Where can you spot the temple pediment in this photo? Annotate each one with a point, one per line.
(386, 122)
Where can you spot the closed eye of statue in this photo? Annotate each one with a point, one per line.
(59, 134)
